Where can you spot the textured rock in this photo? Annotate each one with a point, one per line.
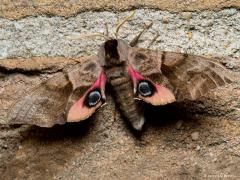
(212, 33)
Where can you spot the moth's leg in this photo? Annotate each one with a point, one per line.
(135, 40)
(93, 35)
(104, 35)
(106, 29)
(153, 40)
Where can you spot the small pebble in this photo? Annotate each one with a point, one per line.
(195, 136)
(179, 124)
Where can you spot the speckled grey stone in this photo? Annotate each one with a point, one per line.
(204, 33)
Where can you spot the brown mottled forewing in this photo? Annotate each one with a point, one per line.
(188, 76)
(45, 103)
(193, 76)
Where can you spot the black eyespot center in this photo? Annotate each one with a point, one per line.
(93, 98)
(146, 88)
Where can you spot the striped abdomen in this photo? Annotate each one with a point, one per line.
(130, 108)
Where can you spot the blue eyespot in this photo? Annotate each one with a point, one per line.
(145, 88)
(93, 98)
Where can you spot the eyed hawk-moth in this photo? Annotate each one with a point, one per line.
(134, 75)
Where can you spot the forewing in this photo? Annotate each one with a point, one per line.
(44, 102)
(43, 105)
(193, 76)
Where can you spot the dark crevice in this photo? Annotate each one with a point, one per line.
(32, 72)
(114, 10)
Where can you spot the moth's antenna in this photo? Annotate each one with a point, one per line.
(106, 28)
(76, 37)
(121, 23)
(136, 39)
(153, 40)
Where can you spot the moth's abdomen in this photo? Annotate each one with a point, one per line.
(129, 107)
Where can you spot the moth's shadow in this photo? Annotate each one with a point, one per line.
(161, 117)
(167, 115)
(156, 116)
(164, 115)
(59, 132)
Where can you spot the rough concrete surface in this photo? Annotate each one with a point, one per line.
(190, 140)
(204, 33)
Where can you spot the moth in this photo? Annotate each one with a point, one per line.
(133, 75)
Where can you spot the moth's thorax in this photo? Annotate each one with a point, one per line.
(113, 59)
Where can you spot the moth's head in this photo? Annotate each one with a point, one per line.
(113, 52)
(110, 49)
